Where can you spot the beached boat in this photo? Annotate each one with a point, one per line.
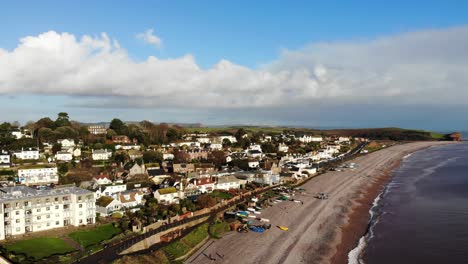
(283, 228)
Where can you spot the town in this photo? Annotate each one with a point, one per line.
(59, 173)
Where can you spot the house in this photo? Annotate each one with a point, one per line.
(204, 140)
(97, 130)
(216, 146)
(106, 206)
(135, 154)
(253, 164)
(130, 199)
(135, 169)
(66, 143)
(27, 154)
(197, 154)
(110, 189)
(168, 156)
(231, 139)
(157, 175)
(76, 152)
(283, 147)
(102, 179)
(227, 182)
(308, 139)
(168, 195)
(183, 167)
(204, 185)
(18, 133)
(101, 154)
(38, 175)
(254, 153)
(4, 159)
(121, 139)
(63, 156)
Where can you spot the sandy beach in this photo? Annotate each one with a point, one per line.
(320, 231)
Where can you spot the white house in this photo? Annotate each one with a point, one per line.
(168, 156)
(63, 156)
(21, 134)
(254, 153)
(283, 147)
(106, 206)
(255, 147)
(26, 210)
(28, 154)
(204, 140)
(232, 139)
(308, 139)
(101, 154)
(4, 159)
(130, 199)
(216, 146)
(128, 147)
(102, 179)
(110, 190)
(227, 182)
(204, 185)
(38, 175)
(76, 152)
(168, 195)
(66, 143)
(253, 164)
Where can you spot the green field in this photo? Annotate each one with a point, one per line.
(183, 246)
(95, 236)
(39, 248)
(222, 195)
(218, 229)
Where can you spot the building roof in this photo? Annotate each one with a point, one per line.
(104, 201)
(167, 190)
(22, 192)
(156, 172)
(227, 179)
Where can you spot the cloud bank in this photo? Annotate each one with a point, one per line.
(426, 67)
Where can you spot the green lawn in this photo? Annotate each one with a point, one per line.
(221, 195)
(183, 246)
(218, 229)
(41, 247)
(95, 236)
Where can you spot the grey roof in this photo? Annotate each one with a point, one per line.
(227, 179)
(23, 192)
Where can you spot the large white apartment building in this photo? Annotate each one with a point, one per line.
(24, 209)
(38, 175)
(101, 154)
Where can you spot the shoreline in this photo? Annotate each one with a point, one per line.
(319, 231)
(358, 217)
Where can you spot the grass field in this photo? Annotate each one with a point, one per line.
(95, 236)
(218, 229)
(183, 246)
(222, 195)
(41, 247)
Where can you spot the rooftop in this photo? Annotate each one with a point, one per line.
(22, 192)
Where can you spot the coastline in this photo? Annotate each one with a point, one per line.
(357, 218)
(319, 231)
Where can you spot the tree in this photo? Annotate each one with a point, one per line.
(121, 157)
(118, 126)
(45, 122)
(205, 201)
(217, 157)
(56, 148)
(226, 142)
(268, 148)
(181, 156)
(62, 120)
(62, 169)
(172, 134)
(152, 156)
(240, 132)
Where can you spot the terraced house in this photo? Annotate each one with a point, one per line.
(25, 210)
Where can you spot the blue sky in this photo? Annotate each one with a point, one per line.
(250, 34)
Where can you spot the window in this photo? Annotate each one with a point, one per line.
(48, 224)
(81, 221)
(26, 203)
(6, 214)
(17, 212)
(38, 210)
(38, 218)
(66, 206)
(56, 199)
(80, 213)
(18, 229)
(17, 220)
(80, 206)
(48, 216)
(47, 200)
(48, 208)
(57, 223)
(79, 198)
(56, 207)
(57, 215)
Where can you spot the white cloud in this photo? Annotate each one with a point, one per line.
(149, 37)
(420, 67)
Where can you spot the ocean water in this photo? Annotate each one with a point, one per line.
(422, 216)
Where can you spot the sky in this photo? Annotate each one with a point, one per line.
(296, 63)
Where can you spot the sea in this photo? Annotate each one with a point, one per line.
(422, 215)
